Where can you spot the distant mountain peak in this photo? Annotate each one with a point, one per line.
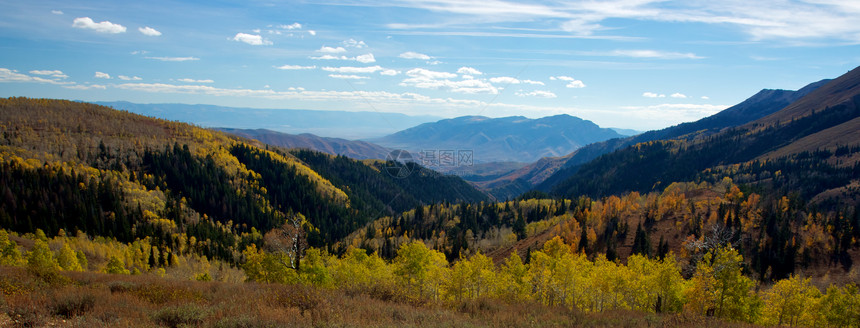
(504, 139)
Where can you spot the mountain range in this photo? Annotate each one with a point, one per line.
(808, 146)
(506, 139)
(546, 172)
(356, 149)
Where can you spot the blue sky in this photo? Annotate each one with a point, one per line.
(637, 64)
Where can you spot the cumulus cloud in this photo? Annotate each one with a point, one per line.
(537, 93)
(427, 79)
(653, 95)
(354, 44)
(575, 84)
(348, 77)
(469, 71)
(365, 70)
(101, 27)
(129, 78)
(678, 95)
(52, 73)
(312, 32)
(414, 55)
(173, 59)
(293, 26)
(295, 67)
(389, 72)
(252, 39)
(101, 75)
(148, 31)
(425, 73)
(57, 12)
(366, 58)
(706, 97)
(187, 80)
(332, 50)
(505, 80)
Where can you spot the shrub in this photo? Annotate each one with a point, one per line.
(242, 321)
(72, 305)
(26, 315)
(120, 287)
(176, 316)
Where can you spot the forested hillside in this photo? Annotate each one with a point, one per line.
(720, 226)
(547, 172)
(77, 166)
(746, 153)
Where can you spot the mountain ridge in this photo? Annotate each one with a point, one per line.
(506, 139)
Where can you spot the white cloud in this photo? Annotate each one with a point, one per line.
(427, 79)
(678, 95)
(7, 75)
(537, 93)
(148, 31)
(187, 80)
(575, 84)
(57, 12)
(654, 54)
(706, 97)
(354, 44)
(173, 59)
(348, 77)
(312, 32)
(332, 50)
(389, 72)
(425, 73)
(293, 26)
(129, 78)
(101, 27)
(768, 20)
(653, 95)
(562, 78)
(330, 57)
(414, 55)
(53, 73)
(295, 67)
(252, 39)
(85, 87)
(366, 58)
(101, 75)
(365, 70)
(469, 71)
(505, 80)
(532, 82)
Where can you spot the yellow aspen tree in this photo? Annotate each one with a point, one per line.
(790, 302)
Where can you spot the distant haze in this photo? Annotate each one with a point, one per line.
(336, 124)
